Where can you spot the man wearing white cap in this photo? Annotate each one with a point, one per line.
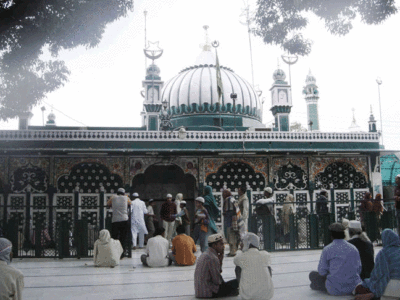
(265, 206)
(11, 279)
(253, 270)
(168, 209)
(364, 246)
(138, 226)
(208, 282)
(119, 221)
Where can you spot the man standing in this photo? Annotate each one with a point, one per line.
(137, 221)
(208, 282)
(322, 203)
(339, 266)
(397, 199)
(149, 220)
(184, 215)
(11, 279)
(229, 212)
(168, 209)
(120, 225)
(265, 206)
(243, 203)
(360, 240)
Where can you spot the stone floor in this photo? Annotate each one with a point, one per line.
(47, 279)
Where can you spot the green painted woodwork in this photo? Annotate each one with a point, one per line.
(153, 123)
(284, 123)
(281, 109)
(215, 109)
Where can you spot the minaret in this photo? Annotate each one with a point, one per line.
(281, 96)
(372, 122)
(311, 93)
(152, 89)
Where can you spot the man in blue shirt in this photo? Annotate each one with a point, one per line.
(339, 266)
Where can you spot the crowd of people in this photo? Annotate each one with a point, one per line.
(346, 265)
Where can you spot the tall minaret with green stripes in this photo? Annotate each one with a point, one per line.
(311, 95)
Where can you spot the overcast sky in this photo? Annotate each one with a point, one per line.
(105, 82)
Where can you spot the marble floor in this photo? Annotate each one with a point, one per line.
(47, 279)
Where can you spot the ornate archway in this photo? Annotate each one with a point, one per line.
(160, 179)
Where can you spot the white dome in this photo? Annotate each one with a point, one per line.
(194, 90)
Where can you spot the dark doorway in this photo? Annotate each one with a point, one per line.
(160, 180)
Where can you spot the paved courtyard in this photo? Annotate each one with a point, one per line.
(47, 279)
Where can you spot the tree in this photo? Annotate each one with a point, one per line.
(297, 127)
(280, 22)
(28, 27)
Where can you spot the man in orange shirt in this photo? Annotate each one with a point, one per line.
(183, 248)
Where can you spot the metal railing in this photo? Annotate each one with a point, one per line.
(221, 136)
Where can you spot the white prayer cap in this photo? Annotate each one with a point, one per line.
(135, 195)
(355, 224)
(250, 239)
(268, 190)
(200, 199)
(151, 200)
(398, 175)
(121, 190)
(183, 202)
(214, 238)
(169, 196)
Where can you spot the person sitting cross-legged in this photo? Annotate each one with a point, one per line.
(157, 250)
(208, 282)
(253, 270)
(183, 248)
(107, 251)
(364, 246)
(385, 277)
(339, 266)
(11, 279)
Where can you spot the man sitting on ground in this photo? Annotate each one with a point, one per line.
(107, 251)
(183, 248)
(208, 282)
(364, 246)
(253, 270)
(339, 266)
(157, 251)
(11, 279)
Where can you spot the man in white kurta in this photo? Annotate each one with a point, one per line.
(138, 225)
(254, 270)
(11, 279)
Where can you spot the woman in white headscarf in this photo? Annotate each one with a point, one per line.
(253, 270)
(11, 279)
(288, 209)
(107, 251)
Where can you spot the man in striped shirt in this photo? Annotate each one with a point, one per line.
(208, 282)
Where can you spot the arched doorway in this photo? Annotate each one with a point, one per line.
(159, 180)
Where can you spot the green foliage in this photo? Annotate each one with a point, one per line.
(28, 27)
(280, 22)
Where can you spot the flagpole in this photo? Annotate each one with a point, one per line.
(220, 88)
